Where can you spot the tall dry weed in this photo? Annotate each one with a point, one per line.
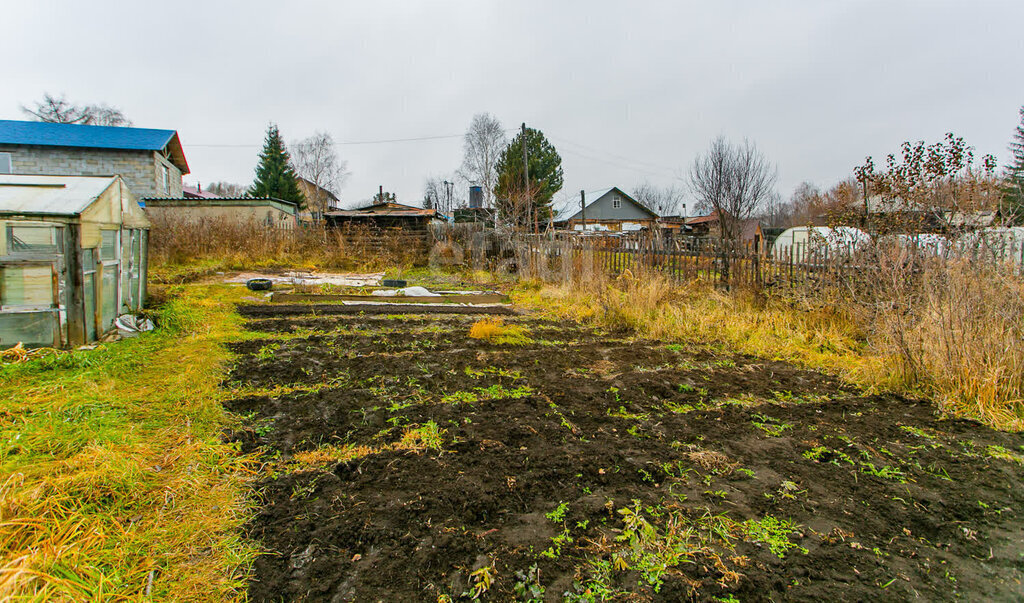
(238, 245)
(948, 328)
(891, 320)
(959, 334)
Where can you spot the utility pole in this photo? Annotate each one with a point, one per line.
(583, 208)
(448, 190)
(526, 182)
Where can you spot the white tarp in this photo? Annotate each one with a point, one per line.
(129, 325)
(345, 279)
(407, 292)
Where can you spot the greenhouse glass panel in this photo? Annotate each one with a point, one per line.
(32, 329)
(109, 299)
(26, 285)
(33, 239)
(89, 290)
(108, 248)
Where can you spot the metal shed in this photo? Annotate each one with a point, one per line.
(73, 256)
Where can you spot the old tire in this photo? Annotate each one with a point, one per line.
(259, 284)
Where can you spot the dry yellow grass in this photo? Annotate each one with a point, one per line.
(652, 306)
(959, 341)
(487, 328)
(496, 331)
(182, 250)
(116, 483)
(416, 438)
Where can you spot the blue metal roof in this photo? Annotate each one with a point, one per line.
(75, 135)
(92, 137)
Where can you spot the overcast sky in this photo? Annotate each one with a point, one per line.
(626, 91)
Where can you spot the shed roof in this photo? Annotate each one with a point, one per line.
(46, 134)
(289, 207)
(189, 192)
(51, 195)
(385, 209)
(705, 219)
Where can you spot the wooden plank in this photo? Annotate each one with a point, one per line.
(486, 298)
(269, 310)
(76, 283)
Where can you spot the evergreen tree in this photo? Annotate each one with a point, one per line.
(518, 204)
(274, 174)
(1013, 193)
(383, 197)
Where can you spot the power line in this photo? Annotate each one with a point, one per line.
(620, 158)
(620, 164)
(349, 142)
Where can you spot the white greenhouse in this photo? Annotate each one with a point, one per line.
(800, 242)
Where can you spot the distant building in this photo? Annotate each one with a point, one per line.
(316, 195)
(750, 233)
(385, 215)
(151, 162)
(189, 192)
(611, 210)
(675, 225)
(477, 215)
(273, 213)
(73, 256)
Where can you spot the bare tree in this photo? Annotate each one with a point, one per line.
(316, 161)
(733, 182)
(775, 212)
(57, 109)
(227, 189)
(664, 201)
(482, 147)
(439, 193)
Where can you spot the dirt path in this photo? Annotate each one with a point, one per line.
(585, 467)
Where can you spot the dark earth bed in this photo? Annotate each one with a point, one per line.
(585, 467)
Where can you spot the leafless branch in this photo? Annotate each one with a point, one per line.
(57, 109)
(316, 160)
(482, 146)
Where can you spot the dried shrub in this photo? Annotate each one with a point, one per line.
(953, 329)
(495, 330)
(192, 247)
(889, 319)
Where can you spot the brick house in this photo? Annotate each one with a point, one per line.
(151, 162)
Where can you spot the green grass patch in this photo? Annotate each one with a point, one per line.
(118, 485)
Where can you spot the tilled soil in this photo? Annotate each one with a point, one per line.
(586, 467)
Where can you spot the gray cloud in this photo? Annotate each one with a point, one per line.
(626, 91)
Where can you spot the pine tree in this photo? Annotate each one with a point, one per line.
(518, 204)
(1013, 193)
(274, 174)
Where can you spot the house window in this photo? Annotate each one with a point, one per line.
(167, 179)
(6, 164)
(616, 203)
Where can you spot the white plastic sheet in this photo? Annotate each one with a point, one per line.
(129, 325)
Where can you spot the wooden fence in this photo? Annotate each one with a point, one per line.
(730, 265)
